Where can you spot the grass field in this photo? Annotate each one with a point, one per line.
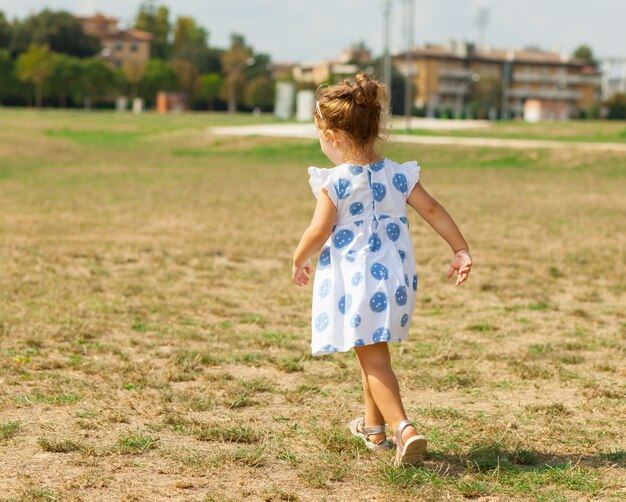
(152, 346)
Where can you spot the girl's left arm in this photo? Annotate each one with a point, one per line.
(438, 218)
(314, 237)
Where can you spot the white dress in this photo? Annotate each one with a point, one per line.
(365, 281)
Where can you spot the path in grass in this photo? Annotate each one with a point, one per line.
(426, 137)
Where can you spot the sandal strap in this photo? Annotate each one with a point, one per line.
(372, 429)
(401, 426)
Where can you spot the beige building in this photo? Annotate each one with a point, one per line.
(315, 73)
(318, 72)
(123, 47)
(444, 74)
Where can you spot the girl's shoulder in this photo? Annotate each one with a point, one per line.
(326, 172)
(320, 177)
(411, 165)
(410, 169)
(403, 176)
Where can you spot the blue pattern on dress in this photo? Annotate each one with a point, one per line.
(363, 292)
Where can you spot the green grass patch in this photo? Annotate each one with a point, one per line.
(248, 456)
(100, 137)
(56, 400)
(241, 434)
(9, 430)
(136, 443)
(57, 445)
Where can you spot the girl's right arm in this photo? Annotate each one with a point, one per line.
(438, 218)
(314, 237)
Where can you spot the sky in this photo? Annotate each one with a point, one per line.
(306, 30)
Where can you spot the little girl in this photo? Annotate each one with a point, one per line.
(365, 282)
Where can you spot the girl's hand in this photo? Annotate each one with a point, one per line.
(300, 275)
(462, 262)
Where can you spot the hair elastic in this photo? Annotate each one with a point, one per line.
(317, 109)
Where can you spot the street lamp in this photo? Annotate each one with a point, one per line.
(386, 4)
(232, 102)
(409, 11)
(473, 78)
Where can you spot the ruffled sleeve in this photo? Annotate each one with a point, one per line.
(412, 173)
(322, 178)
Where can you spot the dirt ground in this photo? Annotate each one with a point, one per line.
(153, 348)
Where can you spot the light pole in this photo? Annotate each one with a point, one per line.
(473, 78)
(232, 102)
(409, 8)
(386, 56)
(482, 20)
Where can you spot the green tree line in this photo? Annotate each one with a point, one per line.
(47, 60)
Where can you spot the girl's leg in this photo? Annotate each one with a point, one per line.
(373, 416)
(383, 385)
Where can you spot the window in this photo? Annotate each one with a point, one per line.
(119, 45)
(134, 46)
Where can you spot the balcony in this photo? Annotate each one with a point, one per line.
(459, 74)
(552, 94)
(454, 89)
(528, 77)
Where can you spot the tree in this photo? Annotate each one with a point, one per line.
(134, 72)
(97, 80)
(5, 31)
(585, 53)
(617, 107)
(234, 60)
(260, 68)
(60, 31)
(197, 53)
(35, 66)
(210, 85)
(186, 30)
(190, 43)
(154, 19)
(486, 95)
(188, 77)
(9, 84)
(64, 77)
(260, 93)
(160, 76)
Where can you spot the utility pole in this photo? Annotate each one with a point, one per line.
(386, 55)
(507, 74)
(409, 17)
(482, 20)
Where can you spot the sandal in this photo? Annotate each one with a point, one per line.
(357, 427)
(411, 452)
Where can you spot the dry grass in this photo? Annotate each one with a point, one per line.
(153, 348)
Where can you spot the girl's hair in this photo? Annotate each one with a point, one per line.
(357, 107)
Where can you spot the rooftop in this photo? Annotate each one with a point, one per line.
(464, 50)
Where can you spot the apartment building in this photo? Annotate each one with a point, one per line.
(444, 74)
(317, 72)
(347, 65)
(122, 46)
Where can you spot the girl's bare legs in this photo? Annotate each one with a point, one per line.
(382, 386)
(373, 416)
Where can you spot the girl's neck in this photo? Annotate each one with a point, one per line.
(363, 158)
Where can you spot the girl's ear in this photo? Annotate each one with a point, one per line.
(332, 136)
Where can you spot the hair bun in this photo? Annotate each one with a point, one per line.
(365, 91)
